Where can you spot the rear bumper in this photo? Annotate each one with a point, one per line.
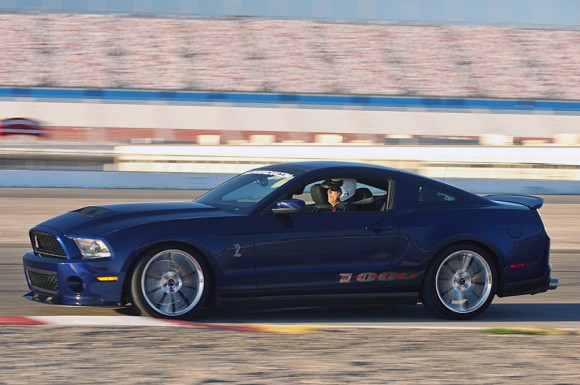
(535, 286)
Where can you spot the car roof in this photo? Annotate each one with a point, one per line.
(307, 166)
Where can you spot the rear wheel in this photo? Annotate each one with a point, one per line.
(169, 283)
(460, 283)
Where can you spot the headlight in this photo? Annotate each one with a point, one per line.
(92, 248)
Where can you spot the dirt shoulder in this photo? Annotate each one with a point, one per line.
(85, 355)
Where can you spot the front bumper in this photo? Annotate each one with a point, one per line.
(71, 282)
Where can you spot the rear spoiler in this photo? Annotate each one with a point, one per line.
(533, 203)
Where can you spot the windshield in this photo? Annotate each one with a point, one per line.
(241, 193)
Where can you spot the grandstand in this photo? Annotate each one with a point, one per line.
(288, 56)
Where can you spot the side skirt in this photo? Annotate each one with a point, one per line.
(325, 300)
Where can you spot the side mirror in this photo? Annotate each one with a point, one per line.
(290, 206)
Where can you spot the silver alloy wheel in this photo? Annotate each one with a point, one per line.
(172, 282)
(463, 281)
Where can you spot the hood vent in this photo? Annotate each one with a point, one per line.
(92, 211)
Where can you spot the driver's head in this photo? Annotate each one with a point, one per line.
(344, 188)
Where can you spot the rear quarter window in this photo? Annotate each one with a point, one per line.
(432, 195)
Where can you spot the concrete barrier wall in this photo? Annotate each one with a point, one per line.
(459, 162)
(113, 180)
(164, 119)
(182, 181)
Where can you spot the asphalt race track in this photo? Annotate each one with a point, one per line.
(519, 340)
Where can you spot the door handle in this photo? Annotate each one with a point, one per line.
(377, 228)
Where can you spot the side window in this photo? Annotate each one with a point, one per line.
(367, 197)
(430, 194)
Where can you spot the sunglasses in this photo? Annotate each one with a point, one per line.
(334, 189)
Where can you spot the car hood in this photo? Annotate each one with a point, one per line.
(95, 220)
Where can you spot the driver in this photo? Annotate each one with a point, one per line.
(339, 192)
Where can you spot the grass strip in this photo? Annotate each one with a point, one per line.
(530, 331)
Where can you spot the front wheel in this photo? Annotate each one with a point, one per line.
(460, 283)
(169, 283)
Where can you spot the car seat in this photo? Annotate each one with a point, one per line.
(320, 198)
(363, 198)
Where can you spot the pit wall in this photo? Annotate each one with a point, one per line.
(113, 115)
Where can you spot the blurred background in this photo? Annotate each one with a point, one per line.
(182, 94)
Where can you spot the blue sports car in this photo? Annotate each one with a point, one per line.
(297, 231)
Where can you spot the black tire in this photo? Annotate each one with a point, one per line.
(460, 283)
(170, 282)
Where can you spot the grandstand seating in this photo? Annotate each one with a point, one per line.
(288, 56)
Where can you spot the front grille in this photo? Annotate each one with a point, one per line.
(46, 245)
(41, 280)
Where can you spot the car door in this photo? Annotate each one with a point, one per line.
(323, 253)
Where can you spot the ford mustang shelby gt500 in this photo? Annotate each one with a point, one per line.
(300, 231)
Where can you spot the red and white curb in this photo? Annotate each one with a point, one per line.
(82, 321)
(125, 321)
(115, 321)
